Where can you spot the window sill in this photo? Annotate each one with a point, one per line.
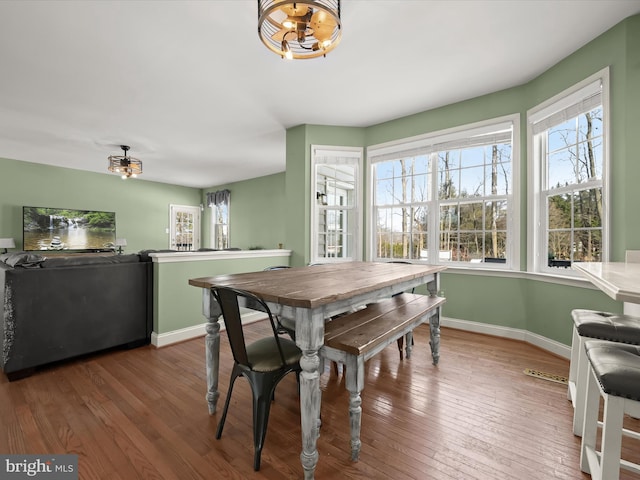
(570, 281)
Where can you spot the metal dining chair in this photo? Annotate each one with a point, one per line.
(263, 363)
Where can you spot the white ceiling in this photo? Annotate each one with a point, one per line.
(190, 87)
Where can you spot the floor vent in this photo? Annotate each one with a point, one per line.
(546, 376)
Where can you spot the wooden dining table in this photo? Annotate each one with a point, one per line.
(310, 295)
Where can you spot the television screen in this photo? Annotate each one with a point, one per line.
(69, 230)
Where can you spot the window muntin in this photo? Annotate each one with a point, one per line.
(569, 138)
(466, 221)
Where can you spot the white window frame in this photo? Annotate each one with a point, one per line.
(565, 103)
(213, 240)
(431, 144)
(336, 155)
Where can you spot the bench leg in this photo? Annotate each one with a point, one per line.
(434, 331)
(354, 381)
(408, 339)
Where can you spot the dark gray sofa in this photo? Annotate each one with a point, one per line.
(62, 307)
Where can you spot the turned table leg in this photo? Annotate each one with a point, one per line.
(434, 321)
(434, 331)
(211, 311)
(309, 338)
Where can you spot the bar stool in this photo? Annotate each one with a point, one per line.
(614, 375)
(591, 324)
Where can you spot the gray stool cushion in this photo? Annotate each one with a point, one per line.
(607, 326)
(616, 366)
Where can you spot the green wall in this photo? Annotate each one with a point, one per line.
(298, 175)
(630, 165)
(257, 213)
(142, 207)
(616, 48)
(142, 216)
(275, 209)
(535, 303)
(177, 304)
(537, 306)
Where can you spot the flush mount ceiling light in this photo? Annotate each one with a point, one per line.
(124, 165)
(299, 29)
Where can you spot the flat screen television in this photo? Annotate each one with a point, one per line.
(56, 229)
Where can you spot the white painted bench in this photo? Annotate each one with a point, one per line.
(354, 338)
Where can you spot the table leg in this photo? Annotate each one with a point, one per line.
(309, 411)
(309, 337)
(434, 321)
(434, 331)
(211, 311)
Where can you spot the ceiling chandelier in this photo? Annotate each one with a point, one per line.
(299, 29)
(125, 166)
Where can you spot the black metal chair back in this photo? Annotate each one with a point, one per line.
(286, 326)
(263, 363)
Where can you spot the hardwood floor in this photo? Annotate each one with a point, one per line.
(141, 414)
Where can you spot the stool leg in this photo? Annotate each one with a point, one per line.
(607, 466)
(612, 419)
(590, 430)
(580, 386)
(573, 365)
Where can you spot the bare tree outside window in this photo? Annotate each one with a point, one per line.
(402, 213)
(474, 186)
(467, 209)
(575, 212)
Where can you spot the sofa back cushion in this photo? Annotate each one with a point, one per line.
(81, 260)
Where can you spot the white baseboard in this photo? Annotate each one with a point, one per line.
(175, 336)
(539, 341)
(557, 348)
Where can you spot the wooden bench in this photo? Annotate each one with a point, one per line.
(354, 338)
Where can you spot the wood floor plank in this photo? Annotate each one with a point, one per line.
(142, 414)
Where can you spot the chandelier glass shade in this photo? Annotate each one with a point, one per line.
(299, 29)
(124, 165)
